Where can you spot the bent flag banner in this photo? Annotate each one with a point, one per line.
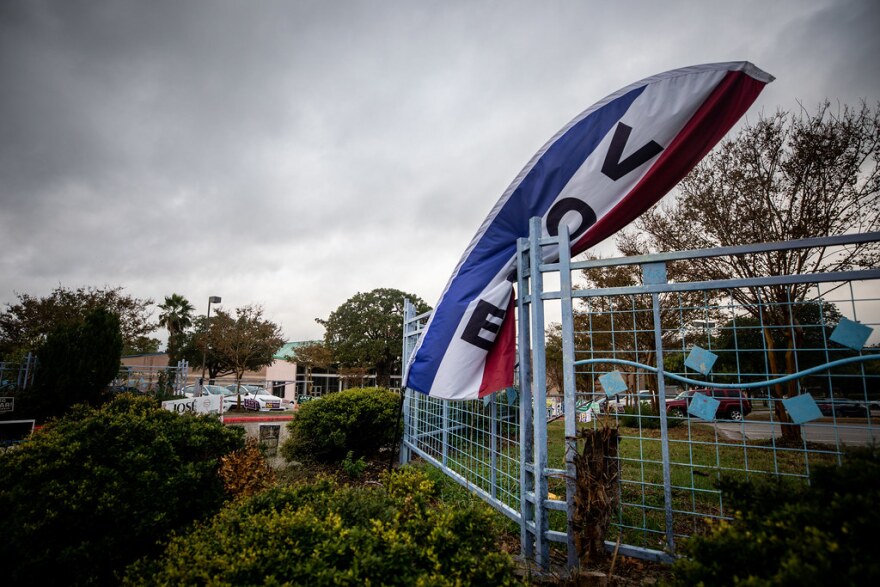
(597, 174)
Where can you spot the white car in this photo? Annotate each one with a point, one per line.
(254, 397)
(229, 399)
(619, 403)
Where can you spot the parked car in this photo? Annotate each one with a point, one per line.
(733, 404)
(841, 407)
(246, 388)
(254, 397)
(622, 400)
(230, 401)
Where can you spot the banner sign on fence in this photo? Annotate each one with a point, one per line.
(15, 431)
(7, 404)
(606, 167)
(205, 404)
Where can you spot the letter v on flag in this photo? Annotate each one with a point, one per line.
(606, 167)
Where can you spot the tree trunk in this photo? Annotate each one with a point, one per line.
(383, 375)
(791, 433)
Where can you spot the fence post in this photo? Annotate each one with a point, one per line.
(26, 371)
(526, 444)
(539, 395)
(655, 274)
(180, 376)
(569, 387)
(493, 446)
(445, 435)
(409, 313)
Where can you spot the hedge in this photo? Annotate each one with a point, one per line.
(94, 491)
(362, 421)
(323, 534)
(791, 533)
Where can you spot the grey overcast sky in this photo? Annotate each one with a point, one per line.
(291, 154)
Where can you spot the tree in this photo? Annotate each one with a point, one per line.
(176, 317)
(740, 342)
(232, 345)
(25, 325)
(77, 362)
(785, 177)
(621, 327)
(366, 332)
(312, 355)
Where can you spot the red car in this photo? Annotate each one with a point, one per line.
(733, 404)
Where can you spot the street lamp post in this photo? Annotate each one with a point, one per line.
(211, 300)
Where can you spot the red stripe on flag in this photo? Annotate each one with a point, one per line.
(724, 106)
(500, 362)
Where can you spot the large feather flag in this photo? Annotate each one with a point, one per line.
(597, 174)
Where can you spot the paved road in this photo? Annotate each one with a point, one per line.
(855, 432)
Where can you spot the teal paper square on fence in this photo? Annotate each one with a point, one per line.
(802, 408)
(851, 334)
(511, 396)
(487, 399)
(612, 383)
(701, 360)
(703, 406)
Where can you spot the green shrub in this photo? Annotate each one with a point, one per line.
(94, 491)
(359, 420)
(353, 468)
(786, 533)
(322, 534)
(643, 415)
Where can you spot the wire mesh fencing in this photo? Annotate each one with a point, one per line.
(707, 372)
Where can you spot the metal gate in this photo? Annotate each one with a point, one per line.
(774, 374)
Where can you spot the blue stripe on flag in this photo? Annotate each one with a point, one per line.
(532, 197)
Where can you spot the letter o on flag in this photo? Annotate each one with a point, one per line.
(563, 207)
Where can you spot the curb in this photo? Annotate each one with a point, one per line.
(246, 420)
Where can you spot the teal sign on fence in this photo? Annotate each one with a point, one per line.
(851, 334)
(703, 406)
(612, 383)
(699, 359)
(802, 408)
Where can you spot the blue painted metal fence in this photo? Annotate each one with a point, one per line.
(802, 351)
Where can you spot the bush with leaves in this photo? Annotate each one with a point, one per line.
(77, 361)
(643, 415)
(323, 534)
(787, 533)
(362, 420)
(353, 468)
(246, 471)
(94, 491)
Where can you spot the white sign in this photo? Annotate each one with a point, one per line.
(205, 404)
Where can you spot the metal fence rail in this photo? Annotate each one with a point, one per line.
(786, 370)
(150, 379)
(18, 375)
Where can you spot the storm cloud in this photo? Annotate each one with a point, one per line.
(290, 154)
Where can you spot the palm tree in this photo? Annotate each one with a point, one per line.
(176, 316)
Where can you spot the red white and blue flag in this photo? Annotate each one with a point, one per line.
(597, 174)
